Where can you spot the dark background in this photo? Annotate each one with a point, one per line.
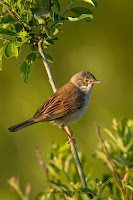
(105, 48)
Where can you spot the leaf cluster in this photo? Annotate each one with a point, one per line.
(120, 149)
(63, 179)
(28, 21)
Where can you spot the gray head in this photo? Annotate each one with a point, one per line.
(84, 80)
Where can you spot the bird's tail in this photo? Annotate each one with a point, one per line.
(21, 125)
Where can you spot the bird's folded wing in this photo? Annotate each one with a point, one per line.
(61, 103)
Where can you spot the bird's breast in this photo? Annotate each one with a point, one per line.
(84, 108)
(74, 116)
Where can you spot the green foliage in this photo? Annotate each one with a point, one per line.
(11, 50)
(63, 179)
(120, 148)
(26, 22)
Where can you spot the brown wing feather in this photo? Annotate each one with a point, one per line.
(61, 103)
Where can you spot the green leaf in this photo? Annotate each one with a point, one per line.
(7, 32)
(104, 185)
(129, 187)
(11, 50)
(56, 29)
(41, 14)
(26, 66)
(47, 31)
(122, 126)
(111, 135)
(57, 4)
(38, 56)
(30, 59)
(49, 58)
(18, 27)
(1, 54)
(29, 15)
(8, 19)
(95, 3)
(92, 2)
(47, 195)
(25, 71)
(88, 191)
(23, 37)
(48, 42)
(128, 135)
(59, 186)
(116, 192)
(55, 16)
(32, 47)
(81, 10)
(55, 171)
(80, 17)
(130, 123)
(59, 25)
(22, 34)
(5, 25)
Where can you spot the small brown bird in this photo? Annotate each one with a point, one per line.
(66, 105)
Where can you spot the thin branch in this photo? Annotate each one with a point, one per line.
(49, 5)
(10, 11)
(61, 16)
(76, 158)
(131, 197)
(40, 158)
(110, 162)
(47, 67)
(44, 167)
(72, 144)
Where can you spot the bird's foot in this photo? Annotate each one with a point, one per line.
(71, 139)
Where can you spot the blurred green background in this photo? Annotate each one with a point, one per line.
(105, 48)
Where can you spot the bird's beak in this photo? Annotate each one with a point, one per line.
(97, 81)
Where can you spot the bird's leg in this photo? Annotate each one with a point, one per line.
(71, 139)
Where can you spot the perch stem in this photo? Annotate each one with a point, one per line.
(72, 144)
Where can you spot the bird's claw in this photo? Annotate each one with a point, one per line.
(71, 139)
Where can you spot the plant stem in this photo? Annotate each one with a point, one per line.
(72, 144)
(68, 7)
(118, 181)
(49, 5)
(43, 165)
(13, 183)
(47, 67)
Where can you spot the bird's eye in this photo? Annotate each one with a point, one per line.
(86, 80)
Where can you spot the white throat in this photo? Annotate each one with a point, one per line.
(86, 89)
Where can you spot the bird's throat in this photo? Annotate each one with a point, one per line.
(86, 89)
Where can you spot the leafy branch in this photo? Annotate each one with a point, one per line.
(26, 22)
(118, 181)
(116, 153)
(14, 183)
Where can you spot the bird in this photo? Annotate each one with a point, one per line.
(66, 105)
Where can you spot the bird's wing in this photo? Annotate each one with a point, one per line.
(62, 102)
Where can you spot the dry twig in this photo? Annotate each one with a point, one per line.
(43, 165)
